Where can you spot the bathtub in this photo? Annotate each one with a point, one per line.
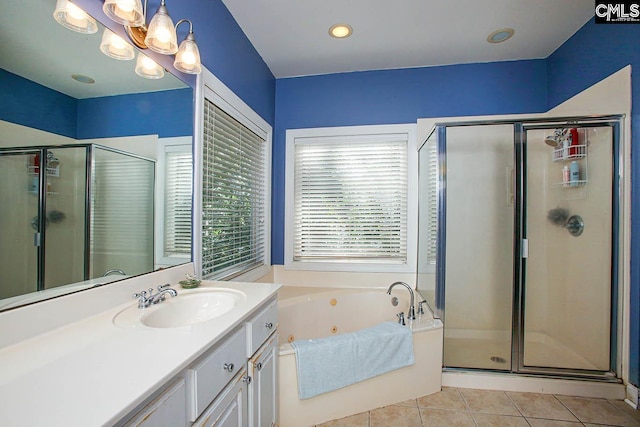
(309, 312)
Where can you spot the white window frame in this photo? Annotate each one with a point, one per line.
(345, 132)
(209, 86)
(185, 144)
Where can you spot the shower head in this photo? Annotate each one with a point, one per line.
(551, 141)
(555, 140)
(52, 161)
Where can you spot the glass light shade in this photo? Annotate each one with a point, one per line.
(188, 56)
(125, 12)
(115, 46)
(148, 68)
(72, 17)
(161, 34)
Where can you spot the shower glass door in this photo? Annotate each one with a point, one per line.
(19, 207)
(477, 182)
(64, 243)
(567, 286)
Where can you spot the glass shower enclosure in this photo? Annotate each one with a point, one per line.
(518, 244)
(72, 213)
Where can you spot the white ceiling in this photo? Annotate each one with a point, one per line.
(36, 47)
(292, 35)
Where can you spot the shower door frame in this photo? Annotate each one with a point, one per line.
(520, 127)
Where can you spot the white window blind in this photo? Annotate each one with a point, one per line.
(177, 202)
(350, 199)
(432, 201)
(233, 196)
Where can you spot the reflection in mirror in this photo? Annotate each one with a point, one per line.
(85, 160)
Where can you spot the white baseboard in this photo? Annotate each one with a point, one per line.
(511, 382)
(632, 396)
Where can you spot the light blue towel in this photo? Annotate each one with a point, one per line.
(327, 364)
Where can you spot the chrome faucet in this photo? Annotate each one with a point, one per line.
(147, 298)
(412, 310)
(114, 270)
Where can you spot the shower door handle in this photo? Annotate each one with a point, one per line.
(525, 248)
(37, 239)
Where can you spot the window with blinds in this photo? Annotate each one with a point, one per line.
(432, 201)
(178, 169)
(233, 196)
(350, 199)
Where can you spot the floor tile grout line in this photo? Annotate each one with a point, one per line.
(515, 405)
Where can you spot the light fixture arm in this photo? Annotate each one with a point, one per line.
(185, 20)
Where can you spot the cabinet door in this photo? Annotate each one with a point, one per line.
(230, 408)
(167, 410)
(263, 390)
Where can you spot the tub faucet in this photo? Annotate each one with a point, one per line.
(412, 310)
(112, 271)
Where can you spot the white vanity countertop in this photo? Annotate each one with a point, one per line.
(92, 372)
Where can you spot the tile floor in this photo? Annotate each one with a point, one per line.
(453, 407)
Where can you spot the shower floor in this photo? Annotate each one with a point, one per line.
(487, 353)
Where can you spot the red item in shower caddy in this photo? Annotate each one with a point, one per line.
(575, 141)
(36, 163)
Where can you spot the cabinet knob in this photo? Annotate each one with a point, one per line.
(247, 380)
(259, 366)
(228, 367)
(268, 325)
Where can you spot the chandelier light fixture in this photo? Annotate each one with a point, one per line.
(72, 17)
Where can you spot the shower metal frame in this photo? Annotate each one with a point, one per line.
(520, 128)
(42, 198)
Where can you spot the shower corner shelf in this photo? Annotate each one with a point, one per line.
(571, 184)
(52, 171)
(572, 152)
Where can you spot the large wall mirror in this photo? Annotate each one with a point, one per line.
(95, 160)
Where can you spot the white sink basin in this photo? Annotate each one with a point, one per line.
(188, 308)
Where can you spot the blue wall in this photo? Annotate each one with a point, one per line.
(397, 96)
(30, 104)
(166, 113)
(227, 52)
(593, 53)
(224, 49)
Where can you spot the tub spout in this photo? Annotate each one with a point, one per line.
(412, 310)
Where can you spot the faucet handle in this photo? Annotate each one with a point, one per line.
(143, 300)
(141, 294)
(401, 318)
(420, 309)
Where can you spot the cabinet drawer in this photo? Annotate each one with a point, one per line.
(261, 326)
(169, 408)
(209, 376)
(229, 409)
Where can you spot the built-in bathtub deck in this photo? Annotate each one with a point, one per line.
(335, 310)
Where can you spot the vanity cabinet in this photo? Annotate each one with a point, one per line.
(263, 390)
(230, 408)
(233, 384)
(211, 374)
(168, 409)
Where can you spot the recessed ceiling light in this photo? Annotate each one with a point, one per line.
(340, 31)
(82, 78)
(499, 36)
